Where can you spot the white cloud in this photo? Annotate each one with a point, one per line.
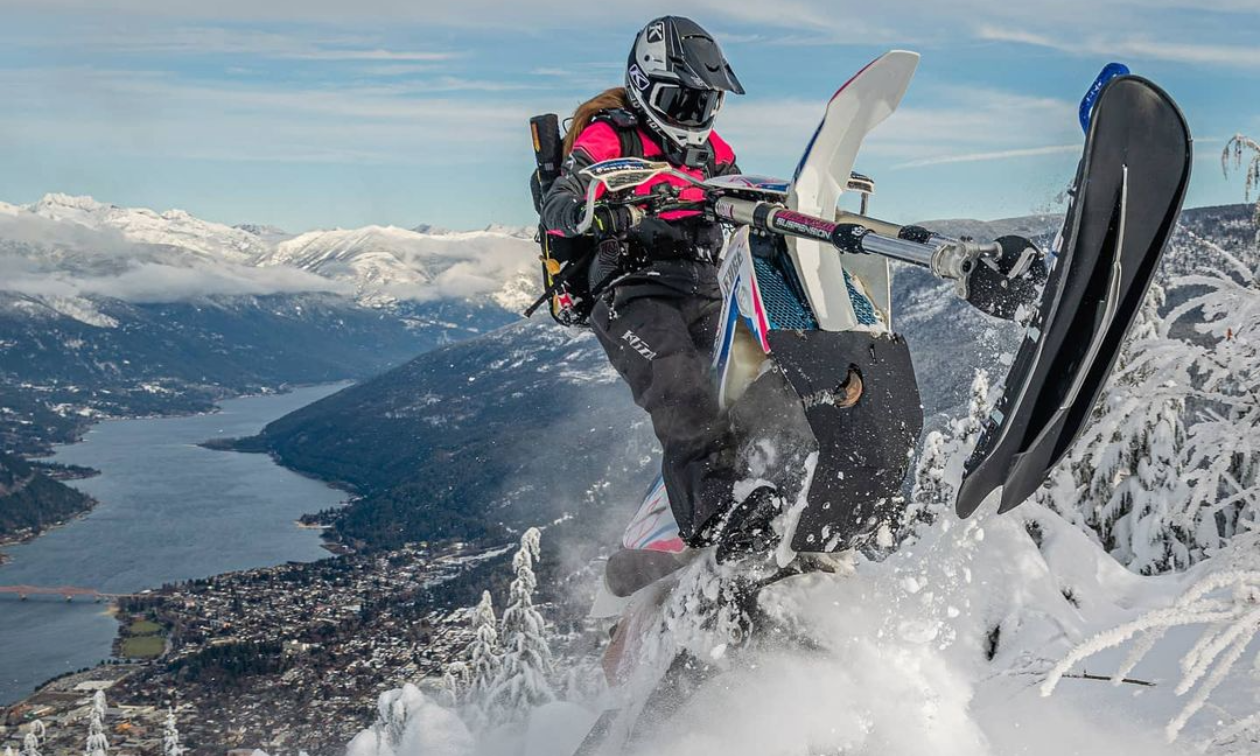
(42, 257)
(816, 21)
(148, 113)
(1143, 47)
(185, 40)
(155, 282)
(978, 124)
(975, 157)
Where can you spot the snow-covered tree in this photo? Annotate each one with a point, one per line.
(1226, 603)
(1128, 483)
(932, 490)
(978, 406)
(484, 654)
(170, 736)
(1243, 149)
(410, 724)
(1223, 445)
(97, 743)
(524, 679)
(455, 680)
(34, 738)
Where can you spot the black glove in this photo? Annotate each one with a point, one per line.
(612, 220)
(915, 234)
(659, 240)
(999, 285)
(848, 238)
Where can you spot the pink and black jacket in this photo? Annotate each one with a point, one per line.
(664, 272)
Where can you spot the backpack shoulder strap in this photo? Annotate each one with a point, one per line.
(626, 124)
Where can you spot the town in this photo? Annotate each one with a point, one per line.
(285, 659)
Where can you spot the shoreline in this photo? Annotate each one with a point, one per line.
(60, 474)
(17, 540)
(45, 464)
(330, 547)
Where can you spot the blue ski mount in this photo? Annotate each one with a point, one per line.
(1109, 72)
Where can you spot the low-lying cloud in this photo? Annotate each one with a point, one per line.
(40, 257)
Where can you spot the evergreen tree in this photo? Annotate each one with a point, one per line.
(523, 681)
(977, 412)
(30, 744)
(943, 456)
(484, 654)
(1129, 467)
(1242, 149)
(455, 679)
(931, 492)
(1224, 443)
(34, 738)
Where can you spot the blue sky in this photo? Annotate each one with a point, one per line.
(322, 113)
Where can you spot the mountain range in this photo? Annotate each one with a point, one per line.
(107, 310)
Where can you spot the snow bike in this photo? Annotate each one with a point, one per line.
(822, 389)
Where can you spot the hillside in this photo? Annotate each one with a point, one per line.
(31, 502)
(474, 439)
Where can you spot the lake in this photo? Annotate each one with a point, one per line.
(169, 510)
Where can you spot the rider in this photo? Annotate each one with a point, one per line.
(657, 313)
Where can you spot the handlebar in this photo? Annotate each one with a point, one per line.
(850, 233)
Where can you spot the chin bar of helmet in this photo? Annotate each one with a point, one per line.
(946, 258)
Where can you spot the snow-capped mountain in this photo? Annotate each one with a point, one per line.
(98, 301)
(68, 248)
(64, 239)
(387, 265)
(173, 228)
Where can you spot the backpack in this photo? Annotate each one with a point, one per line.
(566, 261)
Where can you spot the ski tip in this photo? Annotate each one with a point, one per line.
(972, 494)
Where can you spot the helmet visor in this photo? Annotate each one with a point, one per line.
(684, 106)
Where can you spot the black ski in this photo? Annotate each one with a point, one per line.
(1127, 196)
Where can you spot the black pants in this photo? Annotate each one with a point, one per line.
(662, 346)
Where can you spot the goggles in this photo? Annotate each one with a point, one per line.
(684, 106)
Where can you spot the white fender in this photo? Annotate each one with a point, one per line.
(857, 107)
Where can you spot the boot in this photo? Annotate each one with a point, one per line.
(748, 527)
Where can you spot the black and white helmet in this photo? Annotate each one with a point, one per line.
(677, 77)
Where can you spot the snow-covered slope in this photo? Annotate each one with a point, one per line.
(386, 264)
(54, 242)
(174, 228)
(271, 235)
(942, 648)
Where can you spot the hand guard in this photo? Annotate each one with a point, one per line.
(999, 285)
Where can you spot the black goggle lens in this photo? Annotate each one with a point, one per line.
(686, 106)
